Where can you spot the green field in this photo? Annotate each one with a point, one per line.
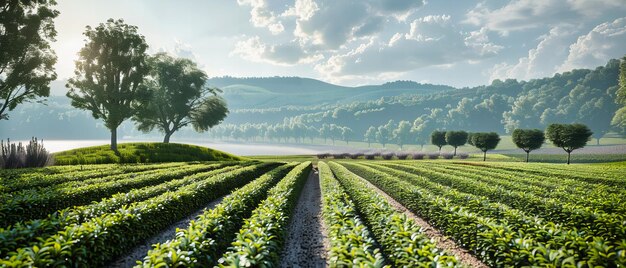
(504, 214)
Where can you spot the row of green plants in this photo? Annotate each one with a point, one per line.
(260, 240)
(28, 233)
(37, 203)
(36, 180)
(351, 243)
(591, 220)
(402, 240)
(210, 234)
(99, 240)
(597, 196)
(498, 235)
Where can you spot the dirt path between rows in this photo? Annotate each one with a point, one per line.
(140, 251)
(441, 241)
(306, 244)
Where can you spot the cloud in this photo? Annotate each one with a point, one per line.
(253, 49)
(604, 42)
(541, 61)
(526, 14)
(430, 41)
(262, 17)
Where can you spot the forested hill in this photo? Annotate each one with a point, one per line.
(283, 107)
(275, 92)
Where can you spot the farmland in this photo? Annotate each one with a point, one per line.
(368, 213)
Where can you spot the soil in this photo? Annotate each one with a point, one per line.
(306, 244)
(140, 251)
(441, 241)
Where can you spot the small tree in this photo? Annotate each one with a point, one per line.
(438, 138)
(370, 136)
(456, 139)
(485, 142)
(568, 136)
(177, 94)
(26, 58)
(528, 140)
(109, 73)
(346, 134)
(402, 134)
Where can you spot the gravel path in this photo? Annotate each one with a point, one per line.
(441, 241)
(140, 251)
(306, 243)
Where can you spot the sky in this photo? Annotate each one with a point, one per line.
(358, 42)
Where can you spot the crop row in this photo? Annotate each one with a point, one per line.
(259, 241)
(403, 242)
(28, 233)
(610, 226)
(351, 243)
(498, 235)
(208, 236)
(100, 239)
(597, 197)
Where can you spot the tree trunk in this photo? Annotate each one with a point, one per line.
(114, 140)
(527, 155)
(484, 156)
(454, 151)
(568, 157)
(167, 137)
(369, 144)
(598, 141)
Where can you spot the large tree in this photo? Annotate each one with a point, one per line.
(456, 139)
(402, 133)
(109, 74)
(178, 98)
(528, 140)
(438, 138)
(484, 141)
(619, 119)
(569, 137)
(26, 59)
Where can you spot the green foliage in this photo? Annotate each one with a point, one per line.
(456, 138)
(619, 119)
(259, 241)
(568, 136)
(109, 73)
(528, 139)
(208, 236)
(178, 97)
(351, 243)
(142, 153)
(98, 240)
(370, 135)
(402, 134)
(26, 58)
(485, 141)
(17, 156)
(438, 138)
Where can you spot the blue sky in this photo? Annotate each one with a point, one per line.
(351, 42)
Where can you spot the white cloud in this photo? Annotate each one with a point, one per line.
(253, 49)
(604, 42)
(302, 9)
(261, 16)
(527, 14)
(541, 61)
(431, 41)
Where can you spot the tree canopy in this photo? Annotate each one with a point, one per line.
(528, 139)
(402, 133)
(26, 58)
(178, 97)
(485, 141)
(456, 138)
(438, 138)
(569, 137)
(109, 74)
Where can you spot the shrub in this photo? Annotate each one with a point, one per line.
(370, 156)
(17, 156)
(447, 155)
(402, 156)
(387, 156)
(463, 155)
(323, 155)
(433, 155)
(356, 155)
(417, 156)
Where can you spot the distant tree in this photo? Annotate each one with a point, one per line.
(384, 133)
(568, 136)
(109, 73)
(26, 58)
(346, 134)
(469, 138)
(402, 133)
(325, 132)
(619, 119)
(438, 138)
(335, 132)
(370, 136)
(528, 139)
(177, 94)
(485, 141)
(456, 139)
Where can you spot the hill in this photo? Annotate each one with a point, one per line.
(142, 153)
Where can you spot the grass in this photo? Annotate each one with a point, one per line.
(142, 152)
(576, 158)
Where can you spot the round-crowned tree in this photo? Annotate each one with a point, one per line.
(438, 138)
(485, 141)
(456, 139)
(569, 137)
(528, 140)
